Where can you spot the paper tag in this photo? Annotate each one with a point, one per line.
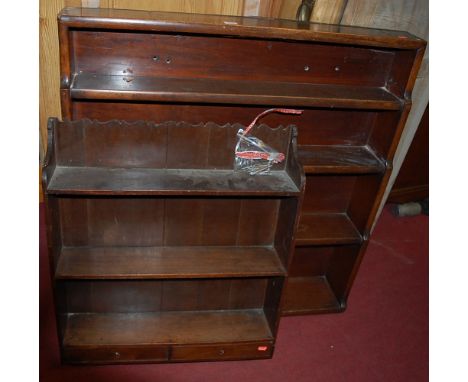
(262, 348)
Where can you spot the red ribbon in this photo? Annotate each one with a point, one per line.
(262, 114)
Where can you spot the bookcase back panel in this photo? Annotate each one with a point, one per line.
(137, 296)
(328, 193)
(114, 221)
(324, 260)
(316, 126)
(352, 195)
(111, 221)
(191, 56)
(169, 145)
(320, 278)
(334, 127)
(310, 261)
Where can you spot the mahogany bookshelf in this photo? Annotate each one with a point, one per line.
(353, 84)
(154, 261)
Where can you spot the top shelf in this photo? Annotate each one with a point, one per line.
(87, 157)
(117, 87)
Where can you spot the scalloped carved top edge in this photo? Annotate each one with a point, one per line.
(87, 122)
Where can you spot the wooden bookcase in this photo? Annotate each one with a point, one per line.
(354, 85)
(160, 251)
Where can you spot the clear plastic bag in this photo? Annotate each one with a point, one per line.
(252, 154)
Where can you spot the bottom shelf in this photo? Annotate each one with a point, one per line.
(305, 295)
(167, 336)
(326, 228)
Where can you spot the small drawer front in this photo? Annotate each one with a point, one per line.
(222, 352)
(116, 354)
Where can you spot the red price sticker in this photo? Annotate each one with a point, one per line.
(262, 348)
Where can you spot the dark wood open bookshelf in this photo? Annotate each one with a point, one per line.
(354, 86)
(161, 262)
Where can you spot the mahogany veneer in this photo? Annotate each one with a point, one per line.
(160, 251)
(354, 85)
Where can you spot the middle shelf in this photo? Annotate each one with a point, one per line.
(339, 159)
(298, 94)
(146, 181)
(326, 228)
(168, 262)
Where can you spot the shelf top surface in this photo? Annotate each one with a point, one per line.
(256, 27)
(145, 181)
(309, 295)
(326, 228)
(99, 86)
(168, 262)
(339, 159)
(184, 327)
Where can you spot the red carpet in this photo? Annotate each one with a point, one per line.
(383, 336)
